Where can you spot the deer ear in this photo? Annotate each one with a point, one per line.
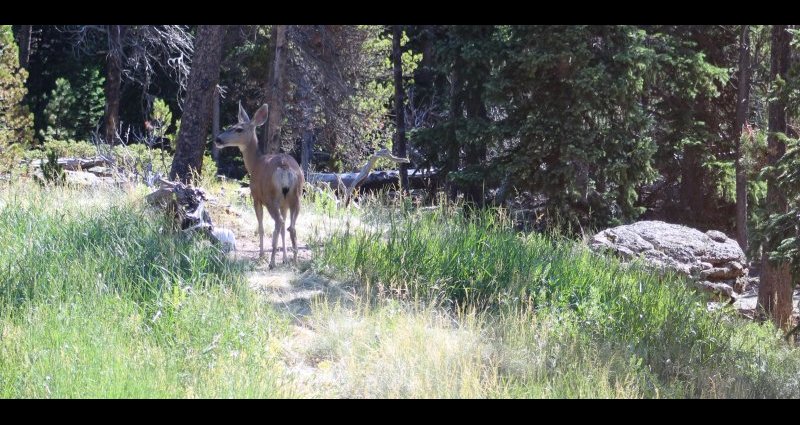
(261, 115)
(243, 117)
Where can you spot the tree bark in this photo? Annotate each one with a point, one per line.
(475, 149)
(306, 104)
(742, 105)
(307, 148)
(775, 289)
(423, 75)
(399, 148)
(203, 79)
(215, 123)
(453, 151)
(113, 81)
(692, 183)
(24, 42)
(272, 144)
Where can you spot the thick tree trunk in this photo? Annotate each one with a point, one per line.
(742, 104)
(775, 289)
(203, 79)
(113, 81)
(24, 42)
(399, 148)
(272, 142)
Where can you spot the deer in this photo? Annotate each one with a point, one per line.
(276, 180)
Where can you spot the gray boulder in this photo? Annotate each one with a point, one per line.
(712, 259)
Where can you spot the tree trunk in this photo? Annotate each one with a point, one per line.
(742, 104)
(692, 184)
(423, 75)
(306, 103)
(475, 154)
(775, 289)
(475, 149)
(24, 42)
(215, 124)
(399, 148)
(453, 151)
(203, 79)
(113, 81)
(307, 148)
(272, 144)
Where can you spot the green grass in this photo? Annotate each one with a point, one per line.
(97, 300)
(402, 350)
(631, 325)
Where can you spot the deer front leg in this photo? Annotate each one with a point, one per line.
(260, 216)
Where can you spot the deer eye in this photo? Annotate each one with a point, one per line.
(239, 130)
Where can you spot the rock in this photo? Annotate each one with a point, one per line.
(721, 288)
(717, 236)
(226, 238)
(731, 271)
(712, 259)
(85, 178)
(82, 178)
(100, 171)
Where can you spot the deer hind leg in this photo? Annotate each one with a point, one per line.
(274, 211)
(294, 211)
(283, 231)
(260, 216)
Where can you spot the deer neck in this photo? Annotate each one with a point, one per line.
(251, 155)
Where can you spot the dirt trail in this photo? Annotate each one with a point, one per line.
(290, 287)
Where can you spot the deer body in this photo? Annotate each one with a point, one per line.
(276, 181)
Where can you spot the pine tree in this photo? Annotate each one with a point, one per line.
(16, 123)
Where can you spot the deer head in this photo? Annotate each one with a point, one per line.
(243, 133)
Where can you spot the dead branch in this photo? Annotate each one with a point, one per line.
(383, 153)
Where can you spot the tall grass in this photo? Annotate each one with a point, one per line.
(98, 299)
(399, 349)
(650, 325)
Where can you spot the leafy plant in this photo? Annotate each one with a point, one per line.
(52, 171)
(160, 123)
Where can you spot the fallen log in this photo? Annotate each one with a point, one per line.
(186, 205)
(75, 164)
(346, 183)
(375, 179)
(185, 202)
